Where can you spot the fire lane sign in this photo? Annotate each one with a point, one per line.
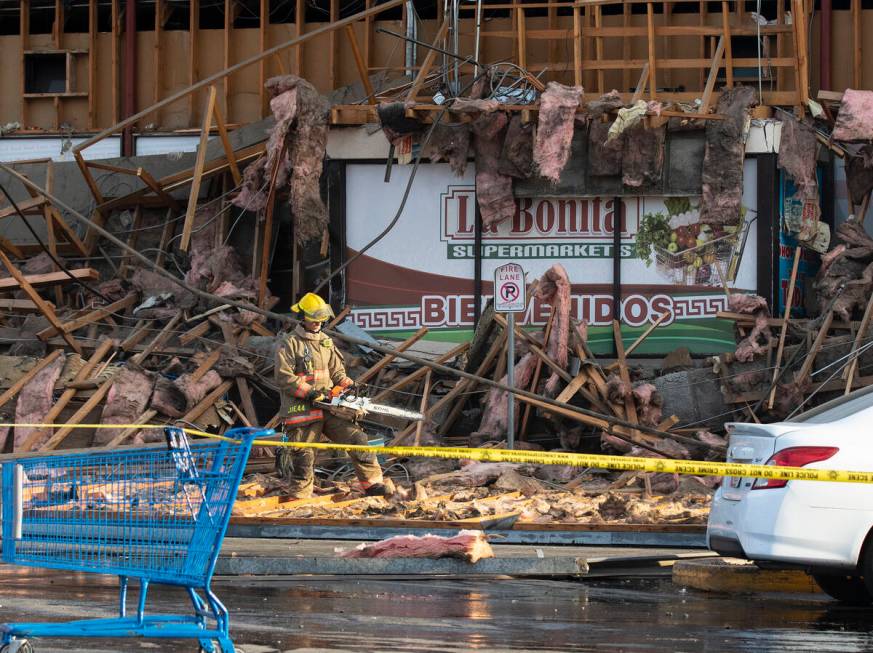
(509, 289)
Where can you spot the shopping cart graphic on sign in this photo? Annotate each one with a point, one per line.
(156, 514)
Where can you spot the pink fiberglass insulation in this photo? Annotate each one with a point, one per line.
(128, 397)
(798, 152)
(450, 143)
(757, 342)
(748, 304)
(830, 257)
(175, 398)
(34, 402)
(711, 439)
(722, 176)
(495, 416)
(855, 119)
(642, 156)
(471, 546)
(859, 174)
(493, 189)
(648, 403)
(300, 138)
(554, 290)
(582, 330)
(516, 159)
(616, 389)
(40, 264)
(558, 106)
(604, 156)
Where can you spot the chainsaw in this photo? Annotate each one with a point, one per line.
(349, 404)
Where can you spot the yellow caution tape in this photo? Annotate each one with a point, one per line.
(597, 461)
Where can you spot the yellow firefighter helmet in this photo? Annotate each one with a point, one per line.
(313, 308)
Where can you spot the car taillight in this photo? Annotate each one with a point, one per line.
(793, 457)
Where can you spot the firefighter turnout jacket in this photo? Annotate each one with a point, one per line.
(307, 361)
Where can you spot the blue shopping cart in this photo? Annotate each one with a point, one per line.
(157, 514)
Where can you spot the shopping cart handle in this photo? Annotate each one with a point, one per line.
(254, 431)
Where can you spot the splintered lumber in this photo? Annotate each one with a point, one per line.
(188, 225)
(140, 331)
(200, 330)
(466, 545)
(207, 401)
(464, 386)
(79, 416)
(536, 377)
(789, 297)
(18, 306)
(144, 418)
(420, 372)
(536, 349)
(809, 360)
(93, 316)
(206, 365)
(425, 395)
(16, 387)
(403, 346)
(48, 279)
(245, 395)
(340, 317)
(850, 371)
(45, 308)
(567, 393)
(645, 334)
(159, 339)
(82, 375)
(261, 330)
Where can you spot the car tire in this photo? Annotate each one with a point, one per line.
(851, 590)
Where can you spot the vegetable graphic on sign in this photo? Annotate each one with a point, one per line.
(685, 251)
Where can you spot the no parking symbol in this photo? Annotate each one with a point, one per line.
(509, 292)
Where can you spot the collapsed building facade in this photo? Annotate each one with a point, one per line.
(669, 175)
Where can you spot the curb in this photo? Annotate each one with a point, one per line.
(740, 576)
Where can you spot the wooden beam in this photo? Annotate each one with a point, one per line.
(193, 334)
(598, 49)
(83, 374)
(789, 299)
(363, 73)
(206, 365)
(16, 387)
(641, 84)
(152, 183)
(428, 62)
(122, 437)
(156, 57)
(332, 44)
(713, 75)
(645, 334)
(650, 27)
(422, 407)
(193, 30)
(139, 331)
(533, 345)
(809, 359)
(387, 358)
(159, 340)
(198, 171)
(245, 396)
(857, 44)
(420, 372)
(577, 47)
(849, 373)
(47, 279)
(194, 414)
(44, 307)
(263, 21)
(629, 406)
(225, 143)
(79, 416)
(728, 49)
(116, 62)
(299, 29)
(23, 44)
(18, 306)
(211, 79)
(229, 8)
(92, 64)
(93, 316)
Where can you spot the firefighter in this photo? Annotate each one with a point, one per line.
(307, 367)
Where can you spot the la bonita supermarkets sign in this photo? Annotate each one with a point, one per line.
(547, 228)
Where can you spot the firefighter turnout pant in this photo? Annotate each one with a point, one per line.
(296, 466)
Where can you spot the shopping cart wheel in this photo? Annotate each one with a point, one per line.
(17, 646)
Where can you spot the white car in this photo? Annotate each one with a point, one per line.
(823, 527)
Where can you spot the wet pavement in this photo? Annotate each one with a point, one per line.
(449, 616)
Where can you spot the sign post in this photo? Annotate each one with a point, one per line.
(510, 297)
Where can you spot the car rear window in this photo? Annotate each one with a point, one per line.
(838, 408)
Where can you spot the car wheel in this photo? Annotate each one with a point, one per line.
(851, 590)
